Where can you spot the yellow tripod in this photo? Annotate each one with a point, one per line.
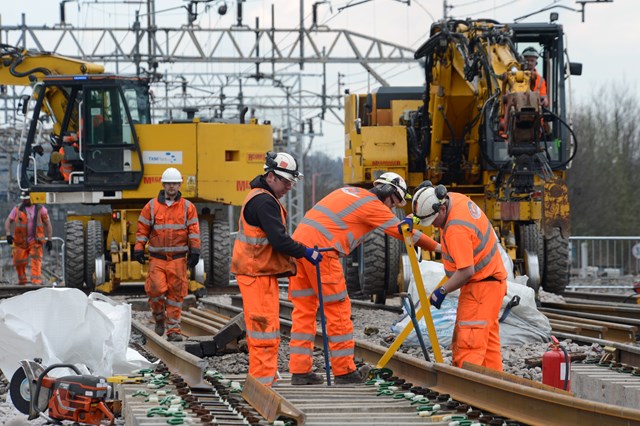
(424, 311)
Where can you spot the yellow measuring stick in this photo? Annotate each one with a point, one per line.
(424, 311)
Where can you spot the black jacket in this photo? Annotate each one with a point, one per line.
(263, 211)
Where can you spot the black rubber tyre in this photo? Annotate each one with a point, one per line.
(372, 275)
(532, 241)
(19, 391)
(74, 254)
(556, 271)
(220, 253)
(350, 266)
(93, 249)
(394, 249)
(205, 250)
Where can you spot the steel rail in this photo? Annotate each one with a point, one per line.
(189, 366)
(584, 296)
(626, 311)
(513, 400)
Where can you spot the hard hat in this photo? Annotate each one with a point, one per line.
(282, 164)
(427, 202)
(530, 51)
(24, 195)
(398, 184)
(171, 175)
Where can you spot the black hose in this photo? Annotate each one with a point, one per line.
(575, 139)
(567, 366)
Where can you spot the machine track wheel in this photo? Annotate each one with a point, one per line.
(350, 267)
(74, 254)
(531, 240)
(205, 250)
(556, 263)
(93, 249)
(373, 264)
(220, 253)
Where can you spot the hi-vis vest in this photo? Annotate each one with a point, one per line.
(252, 253)
(486, 256)
(20, 236)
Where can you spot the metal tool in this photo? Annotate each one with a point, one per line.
(515, 301)
(323, 321)
(407, 302)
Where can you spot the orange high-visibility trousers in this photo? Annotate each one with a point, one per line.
(303, 293)
(21, 256)
(167, 285)
(261, 306)
(476, 336)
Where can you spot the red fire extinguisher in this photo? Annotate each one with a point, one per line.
(556, 366)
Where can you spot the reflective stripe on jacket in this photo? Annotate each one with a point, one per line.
(344, 217)
(20, 236)
(252, 253)
(169, 230)
(464, 213)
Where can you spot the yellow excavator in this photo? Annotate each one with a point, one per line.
(480, 126)
(89, 139)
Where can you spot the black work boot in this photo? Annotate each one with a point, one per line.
(159, 328)
(361, 375)
(175, 337)
(310, 378)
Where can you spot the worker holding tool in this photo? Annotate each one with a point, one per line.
(169, 223)
(473, 264)
(31, 223)
(263, 252)
(340, 221)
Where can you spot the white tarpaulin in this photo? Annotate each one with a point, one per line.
(524, 323)
(63, 325)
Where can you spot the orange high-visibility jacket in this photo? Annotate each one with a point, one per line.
(20, 237)
(170, 230)
(252, 253)
(540, 85)
(343, 218)
(468, 225)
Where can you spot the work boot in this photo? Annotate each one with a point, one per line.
(159, 328)
(306, 379)
(175, 337)
(361, 375)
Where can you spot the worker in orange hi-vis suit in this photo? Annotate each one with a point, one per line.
(32, 224)
(169, 223)
(262, 252)
(341, 221)
(472, 262)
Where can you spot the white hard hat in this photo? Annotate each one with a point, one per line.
(530, 51)
(171, 175)
(24, 195)
(282, 164)
(427, 202)
(396, 181)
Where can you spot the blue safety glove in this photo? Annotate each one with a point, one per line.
(408, 221)
(438, 296)
(313, 255)
(193, 259)
(48, 245)
(139, 256)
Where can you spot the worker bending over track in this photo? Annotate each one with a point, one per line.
(341, 221)
(169, 223)
(472, 263)
(263, 251)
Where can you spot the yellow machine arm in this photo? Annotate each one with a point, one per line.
(26, 67)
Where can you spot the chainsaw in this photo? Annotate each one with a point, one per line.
(79, 398)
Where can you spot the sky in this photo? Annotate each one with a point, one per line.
(606, 43)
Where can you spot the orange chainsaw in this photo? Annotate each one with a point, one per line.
(79, 398)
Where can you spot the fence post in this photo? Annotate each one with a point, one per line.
(584, 259)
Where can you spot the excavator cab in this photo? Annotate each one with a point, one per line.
(92, 144)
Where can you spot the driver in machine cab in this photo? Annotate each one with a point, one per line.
(538, 84)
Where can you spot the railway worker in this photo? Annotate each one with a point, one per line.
(31, 228)
(340, 221)
(169, 223)
(263, 252)
(473, 264)
(538, 84)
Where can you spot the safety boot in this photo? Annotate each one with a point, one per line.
(159, 328)
(175, 337)
(310, 378)
(355, 377)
